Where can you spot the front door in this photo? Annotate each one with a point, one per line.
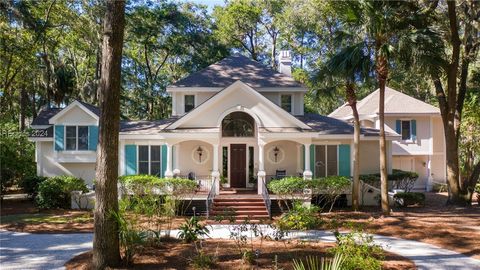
(238, 165)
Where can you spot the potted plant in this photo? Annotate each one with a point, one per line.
(223, 181)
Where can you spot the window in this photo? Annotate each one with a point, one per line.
(406, 134)
(225, 161)
(149, 159)
(76, 138)
(326, 160)
(189, 103)
(238, 124)
(286, 102)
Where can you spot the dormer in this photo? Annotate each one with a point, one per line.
(279, 87)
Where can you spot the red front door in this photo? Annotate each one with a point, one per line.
(238, 165)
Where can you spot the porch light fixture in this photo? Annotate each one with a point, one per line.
(200, 153)
(275, 152)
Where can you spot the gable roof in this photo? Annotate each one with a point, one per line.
(237, 68)
(235, 86)
(395, 103)
(44, 116)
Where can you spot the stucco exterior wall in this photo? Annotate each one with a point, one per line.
(289, 158)
(76, 116)
(186, 164)
(422, 144)
(48, 165)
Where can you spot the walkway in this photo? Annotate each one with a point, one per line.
(51, 251)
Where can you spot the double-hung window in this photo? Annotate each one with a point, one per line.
(326, 160)
(286, 102)
(406, 130)
(76, 138)
(149, 159)
(189, 103)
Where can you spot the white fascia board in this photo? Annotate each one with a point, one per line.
(422, 153)
(68, 108)
(40, 126)
(288, 135)
(411, 114)
(218, 89)
(40, 139)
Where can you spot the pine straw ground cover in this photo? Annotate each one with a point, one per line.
(176, 255)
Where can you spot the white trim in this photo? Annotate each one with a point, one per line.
(225, 92)
(34, 139)
(218, 89)
(68, 108)
(40, 126)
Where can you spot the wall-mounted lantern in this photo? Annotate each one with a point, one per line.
(200, 153)
(275, 152)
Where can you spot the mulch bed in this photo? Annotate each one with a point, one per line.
(176, 255)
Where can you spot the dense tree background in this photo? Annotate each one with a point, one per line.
(50, 53)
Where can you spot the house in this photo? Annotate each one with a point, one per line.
(236, 119)
(421, 147)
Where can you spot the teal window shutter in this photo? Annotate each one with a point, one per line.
(312, 159)
(130, 159)
(413, 129)
(398, 126)
(59, 137)
(344, 161)
(164, 160)
(92, 138)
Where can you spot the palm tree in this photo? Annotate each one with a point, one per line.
(352, 64)
(383, 22)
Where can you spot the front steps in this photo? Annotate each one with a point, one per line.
(238, 208)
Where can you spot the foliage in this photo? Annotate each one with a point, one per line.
(30, 184)
(201, 260)
(54, 192)
(469, 142)
(244, 236)
(16, 155)
(330, 188)
(313, 263)
(191, 230)
(358, 251)
(409, 198)
(300, 217)
(477, 188)
(289, 189)
(131, 240)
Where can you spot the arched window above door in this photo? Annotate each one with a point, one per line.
(238, 124)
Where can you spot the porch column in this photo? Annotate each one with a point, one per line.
(176, 160)
(261, 169)
(429, 174)
(215, 172)
(168, 171)
(307, 173)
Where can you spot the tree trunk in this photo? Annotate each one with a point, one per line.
(382, 74)
(106, 251)
(352, 102)
(23, 107)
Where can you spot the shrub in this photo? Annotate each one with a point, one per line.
(358, 251)
(299, 218)
(131, 240)
(313, 263)
(30, 185)
(137, 184)
(191, 230)
(330, 187)
(399, 179)
(54, 192)
(409, 198)
(203, 261)
(289, 189)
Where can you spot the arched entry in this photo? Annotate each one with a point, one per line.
(239, 126)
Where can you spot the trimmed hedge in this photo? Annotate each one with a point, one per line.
(409, 198)
(401, 179)
(146, 184)
(54, 192)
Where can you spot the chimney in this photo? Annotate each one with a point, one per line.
(285, 63)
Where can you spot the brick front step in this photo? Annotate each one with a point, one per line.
(251, 207)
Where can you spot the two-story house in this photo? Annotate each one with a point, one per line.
(236, 119)
(421, 147)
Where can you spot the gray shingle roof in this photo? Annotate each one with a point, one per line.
(45, 115)
(145, 127)
(234, 68)
(329, 126)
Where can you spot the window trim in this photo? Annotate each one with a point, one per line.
(149, 147)
(326, 159)
(185, 103)
(76, 139)
(291, 102)
(409, 139)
